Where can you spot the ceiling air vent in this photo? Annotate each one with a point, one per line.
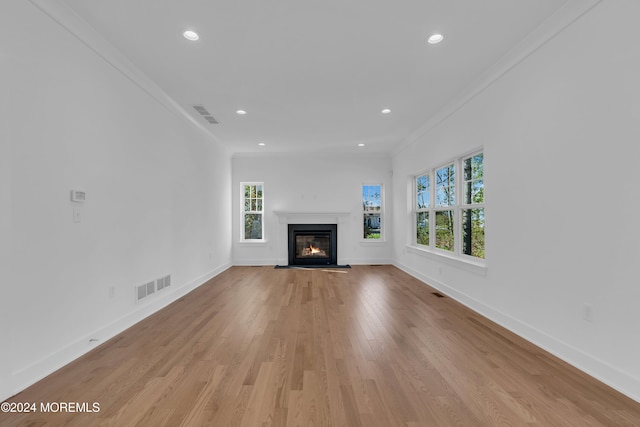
(206, 114)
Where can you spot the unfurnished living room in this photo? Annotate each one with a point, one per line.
(304, 212)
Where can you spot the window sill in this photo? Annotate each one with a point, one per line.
(475, 267)
(252, 242)
(373, 242)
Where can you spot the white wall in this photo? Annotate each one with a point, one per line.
(5, 226)
(561, 137)
(316, 183)
(560, 133)
(158, 195)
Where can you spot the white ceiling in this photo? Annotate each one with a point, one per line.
(313, 75)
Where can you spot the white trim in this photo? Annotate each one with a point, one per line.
(367, 242)
(34, 372)
(570, 12)
(447, 257)
(604, 372)
(381, 212)
(297, 217)
(258, 262)
(457, 207)
(253, 243)
(438, 165)
(243, 212)
(368, 261)
(67, 18)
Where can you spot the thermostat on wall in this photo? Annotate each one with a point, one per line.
(78, 196)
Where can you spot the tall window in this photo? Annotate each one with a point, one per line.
(472, 207)
(444, 209)
(423, 204)
(449, 215)
(372, 211)
(252, 210)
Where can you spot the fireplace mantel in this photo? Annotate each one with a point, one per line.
(296, 217)
(342, 219)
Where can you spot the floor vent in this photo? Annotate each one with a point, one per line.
(206, 114)
(438, 294)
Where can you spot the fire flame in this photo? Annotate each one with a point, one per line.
(314, 250)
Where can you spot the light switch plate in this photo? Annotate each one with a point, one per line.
(78, 196)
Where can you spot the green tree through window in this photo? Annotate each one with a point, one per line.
(473, 210)
(372, 211)
(452, 211)
(252, 216)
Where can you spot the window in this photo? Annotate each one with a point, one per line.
(372, 211)
(423, 203)
(449, 216)
(445, 202)
(252, 210)
(472, 207)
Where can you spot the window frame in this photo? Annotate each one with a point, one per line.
(422, 210)
(364, 212)
(449, 207)
(243, 212)
(458, 207)
(462, 206)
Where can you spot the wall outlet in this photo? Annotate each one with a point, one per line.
(587, 313)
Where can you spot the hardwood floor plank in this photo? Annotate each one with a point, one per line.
(369, 346)
(201, 410)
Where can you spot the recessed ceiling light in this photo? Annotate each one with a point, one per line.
(435, 39)
(241, 112)
(385, 111)
(262, 144)
(191, 35)
(361, 145)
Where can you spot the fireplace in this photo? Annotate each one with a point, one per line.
(313, 244)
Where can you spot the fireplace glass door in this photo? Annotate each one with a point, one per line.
(316, 246)
(313, 244)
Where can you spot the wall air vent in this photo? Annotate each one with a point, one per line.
(145, 290)
(142, 292)
(163, 282)
(206, 114)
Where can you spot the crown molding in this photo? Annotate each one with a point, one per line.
(569, 13)
(68, 19)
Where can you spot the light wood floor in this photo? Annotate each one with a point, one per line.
(367, 346)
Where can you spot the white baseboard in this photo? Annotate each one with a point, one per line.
(34, 372)
(598, 369)
(368, 261)
(258, 262)
(274, 261)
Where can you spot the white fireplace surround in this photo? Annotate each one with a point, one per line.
(292, 217)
